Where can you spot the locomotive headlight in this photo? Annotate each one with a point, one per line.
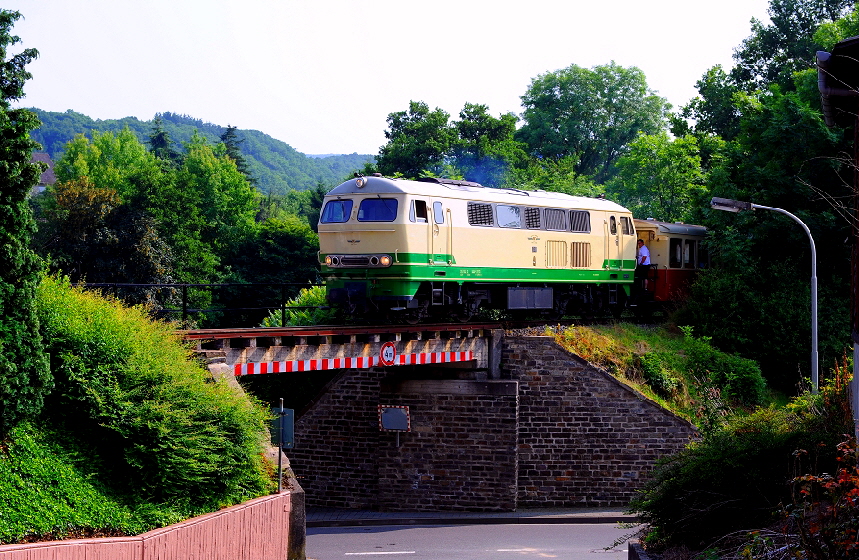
(385, 260)
(335, 261)
(360, 182)
(374, 260)
(328, 260)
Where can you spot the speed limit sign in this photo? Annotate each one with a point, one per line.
(388, 354)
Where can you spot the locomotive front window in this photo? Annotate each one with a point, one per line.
(377, 210)
(509, 216)
(336, 211)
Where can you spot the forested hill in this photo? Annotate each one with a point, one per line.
(276, 166)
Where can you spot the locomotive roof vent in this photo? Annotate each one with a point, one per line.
(443, 181)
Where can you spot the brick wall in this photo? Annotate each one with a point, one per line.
(585, 439)
(461, 452)
(555, 432)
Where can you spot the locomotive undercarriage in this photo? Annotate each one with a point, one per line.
(445, 301)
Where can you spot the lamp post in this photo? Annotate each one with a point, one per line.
(729, 205)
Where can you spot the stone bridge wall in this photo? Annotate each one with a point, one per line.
(554, 431)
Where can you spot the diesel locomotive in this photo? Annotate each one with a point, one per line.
(442, 248)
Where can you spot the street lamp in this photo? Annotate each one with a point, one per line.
(729, 205)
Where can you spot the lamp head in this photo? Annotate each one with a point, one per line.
(729, 205)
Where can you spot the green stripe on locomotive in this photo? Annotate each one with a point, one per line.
(401, 281)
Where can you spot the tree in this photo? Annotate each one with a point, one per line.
(715, 109)
(232, 144)
(485, 150)
(591, 115)
(26, 376)
(418, 139)
(161, 145)
(660, 177)
(773, 53)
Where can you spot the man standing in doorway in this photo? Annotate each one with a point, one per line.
(642, 265)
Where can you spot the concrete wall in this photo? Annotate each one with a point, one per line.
(554, 431)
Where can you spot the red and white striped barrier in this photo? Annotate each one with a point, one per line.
(350, 363)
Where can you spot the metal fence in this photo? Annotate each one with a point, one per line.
(178, 299)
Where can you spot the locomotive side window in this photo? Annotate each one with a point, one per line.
(336, 211)
(555, 219)
(612, 225)
(580, 221)
(437, 212)
(377, 210)
(675, 253)
(509, 216)
(532, 218)
(480, 214)
(418, 211)
(626, 225)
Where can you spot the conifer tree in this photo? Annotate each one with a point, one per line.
(24, 372)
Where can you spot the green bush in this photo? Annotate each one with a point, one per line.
(739, 379)
(313, 299)
(162, 431)
(737, 477)
(49, 490)
(656, 374)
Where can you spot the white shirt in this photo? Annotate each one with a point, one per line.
(642, 256)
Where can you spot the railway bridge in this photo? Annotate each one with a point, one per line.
(494, 421)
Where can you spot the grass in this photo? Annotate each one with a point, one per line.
(657, 361)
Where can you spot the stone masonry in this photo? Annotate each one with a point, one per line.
(554, 431)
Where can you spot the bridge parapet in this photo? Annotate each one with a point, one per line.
(266, 350)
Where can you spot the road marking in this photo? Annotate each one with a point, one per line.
(370, 553)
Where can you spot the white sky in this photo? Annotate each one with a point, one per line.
(322, 75)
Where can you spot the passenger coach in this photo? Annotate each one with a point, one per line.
(440, 247)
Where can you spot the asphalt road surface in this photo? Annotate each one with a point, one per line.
(467, 542)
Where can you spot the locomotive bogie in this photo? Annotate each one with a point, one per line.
(396, 245)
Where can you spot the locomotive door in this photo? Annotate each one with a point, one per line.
(441, 240)
(613, 248)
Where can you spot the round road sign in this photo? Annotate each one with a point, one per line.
(388, 354)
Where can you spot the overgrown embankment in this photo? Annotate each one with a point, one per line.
(134, 435)
(684, 373)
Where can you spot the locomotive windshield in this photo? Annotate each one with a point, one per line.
(336, 211)
(377, 210)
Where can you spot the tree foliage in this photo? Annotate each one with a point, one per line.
(418, 139)
(660, 177)
(589, 114)
(26, 377)
(774, 52)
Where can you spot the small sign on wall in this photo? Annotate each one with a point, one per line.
(394, 418)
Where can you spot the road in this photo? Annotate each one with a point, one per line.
(466, 542)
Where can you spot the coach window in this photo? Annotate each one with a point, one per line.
(377, 210)
(336, 211)
(675, 253)
(437, 213)
(689, 254)
(418, 211)
(509, 216)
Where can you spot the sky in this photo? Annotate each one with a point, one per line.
(323, 75)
